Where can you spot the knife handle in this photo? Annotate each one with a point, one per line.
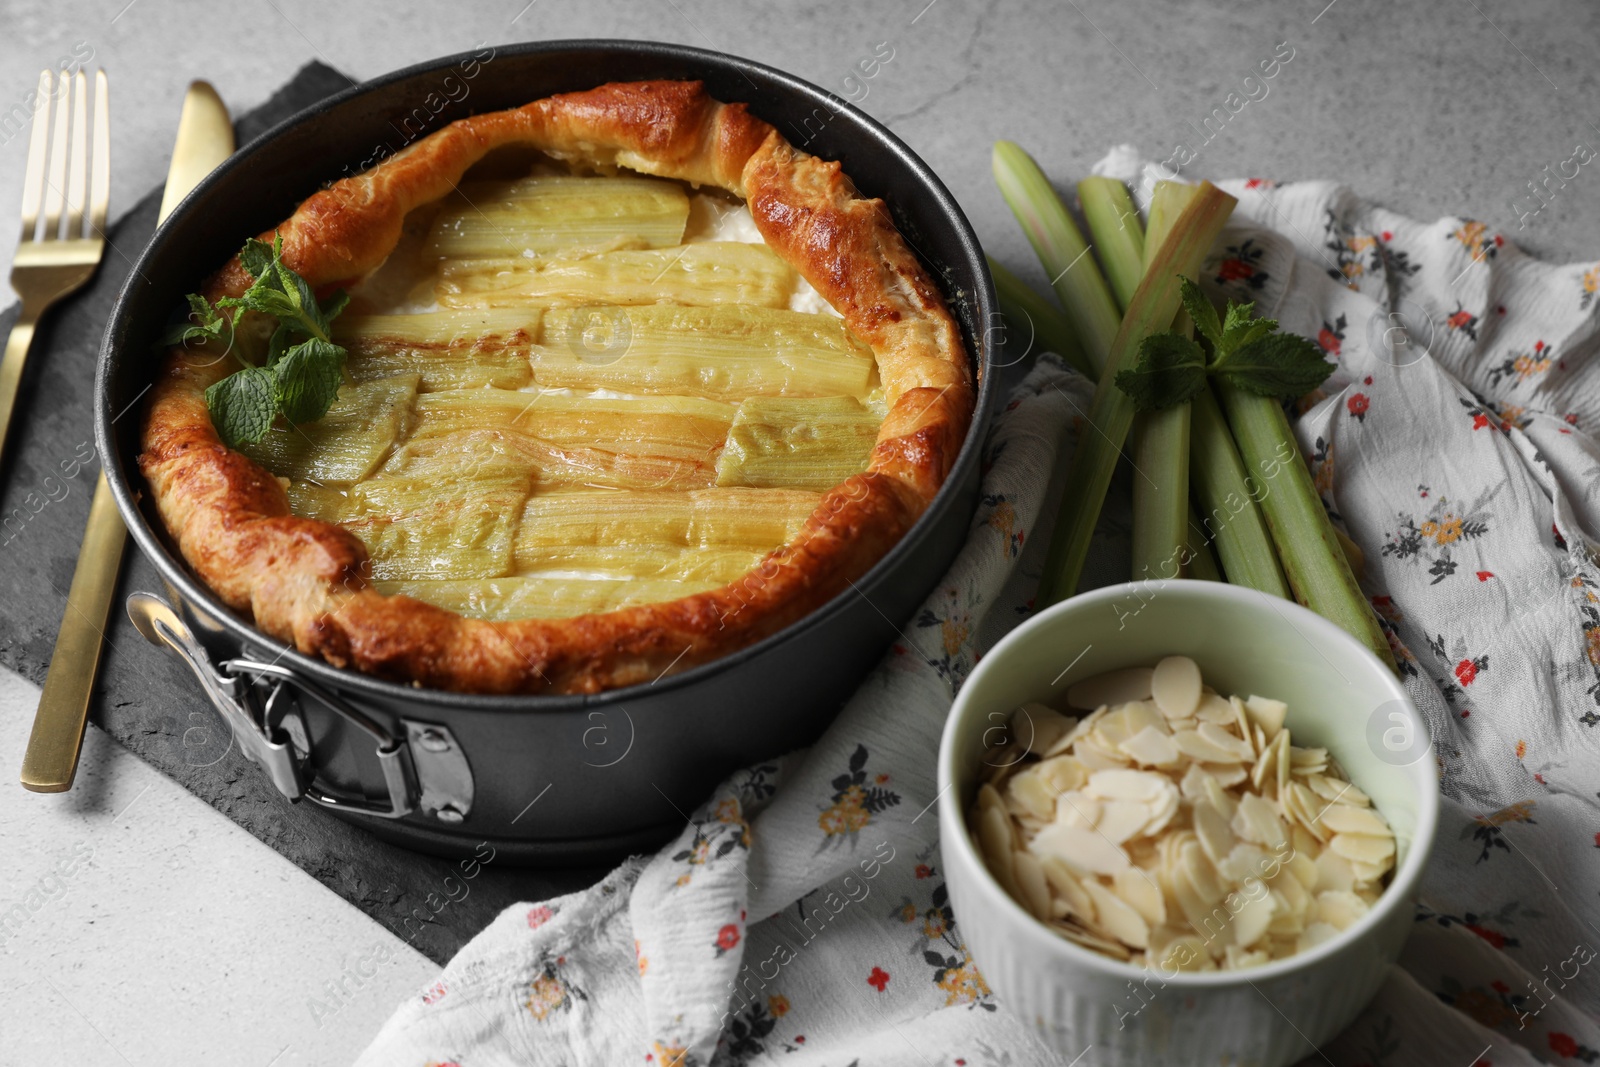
(16, 354)
(51, 761)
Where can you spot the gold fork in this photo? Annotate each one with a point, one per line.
(55, 262)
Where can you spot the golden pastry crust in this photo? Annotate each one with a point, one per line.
(305, 580)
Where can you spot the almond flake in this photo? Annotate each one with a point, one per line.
(1063, 773)
(1151, 747)
(1141, 893)
(1186, 954)
(1175, 687)
(1212, 831)
(1077, 808)
(1366, 873)
(1121, 819)
(994, 834)
(1201, 874)
(1294, 897)
(1079, 936)
(1117, 917)
(1226, 741)
(1193, 782)
(1333, 872)
(1163, 809)
(1257, 820)
(1241, 718)
(1304, 869)
(1251, 916)
(989, 797)
(1363, 848)
(1067, 888)
(1340, 909)
(1113, 687)
(1214, 708)
(1030, 792)
(1197, 747)
(1345, 819)
(1266, 713)
(1227, 775)
(1219, 797)
(1083, 850)
(1114, 728)
(1127, 785)
(1238, 958)
(1096, 757)
(1031, 880)
(1315, 934)
(1038, 726)
(1243, 861)
(1337, 791)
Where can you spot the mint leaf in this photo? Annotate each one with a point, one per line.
(243, 405)
(1239, 329)
(257, 256)
(1171, 370)
(334, 304)
(266, 298)
(304, 368)
(308, 376)
(307, 312)
(282, 339)
(278, 291)
(1201, 312)
(1278, 365)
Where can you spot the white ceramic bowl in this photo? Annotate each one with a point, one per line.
(1340, 696)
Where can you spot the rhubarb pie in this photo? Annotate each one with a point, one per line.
(632, 383)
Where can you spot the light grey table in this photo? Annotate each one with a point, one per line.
(1431, 108)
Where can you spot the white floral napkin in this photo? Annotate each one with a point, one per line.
(801, 917)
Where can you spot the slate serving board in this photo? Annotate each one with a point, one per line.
(145, 697)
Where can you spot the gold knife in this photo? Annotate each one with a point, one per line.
(205, 139)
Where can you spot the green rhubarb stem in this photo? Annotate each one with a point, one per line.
(1229, 517)
(1312, 557)
(1155, 303)
(1073, 273)
(1020, 303)
(1161, 493)
(1161, 438)
(1118, 235)
(1202, 564)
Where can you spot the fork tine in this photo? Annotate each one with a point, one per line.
(100, 176)
(78, 158)
(33, 181)
(56, 184)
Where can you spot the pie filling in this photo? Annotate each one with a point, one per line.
(571, 393)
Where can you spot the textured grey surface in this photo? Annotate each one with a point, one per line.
(1430, 108)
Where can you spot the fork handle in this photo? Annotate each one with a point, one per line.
(51, 760)
(11, 372)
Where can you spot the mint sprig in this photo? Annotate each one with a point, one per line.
(1245, 351)
(304, 368)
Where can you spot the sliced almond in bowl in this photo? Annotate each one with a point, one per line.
(1174, 826)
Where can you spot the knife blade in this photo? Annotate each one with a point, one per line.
(205, 139)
